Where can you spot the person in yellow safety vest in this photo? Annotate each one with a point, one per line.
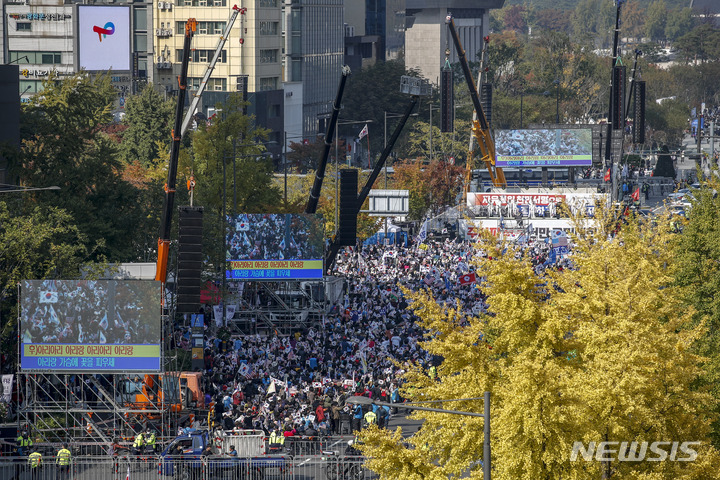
(35, 462)
(370, 418)
(62, 461)
(139, 443)
(276, 440)
(150, 441)
(24, 443)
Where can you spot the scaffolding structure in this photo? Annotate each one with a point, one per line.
(94, 410)
(282, 307)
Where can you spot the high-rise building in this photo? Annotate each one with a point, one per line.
(250, 59)
(426, 36)
(314, 47)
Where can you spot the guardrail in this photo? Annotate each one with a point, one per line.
(328, 466)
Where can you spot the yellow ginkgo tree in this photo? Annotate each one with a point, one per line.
(599, 352)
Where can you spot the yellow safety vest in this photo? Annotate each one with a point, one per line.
(151, 441)
(63, 457)
(276, 439)
(138, 441)
(24, 442)
(370, 417)
(35, 459)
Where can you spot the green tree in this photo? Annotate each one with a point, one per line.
(593, 20)
(63, 145)
(370, 93)
(655, 20)
(149, 120)
(679, 22)
(35, 243)
(231, 168)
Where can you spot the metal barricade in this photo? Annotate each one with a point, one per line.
(329, 466)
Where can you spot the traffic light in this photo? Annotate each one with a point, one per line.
(348, 208)
(486, 101)
(447, 99)
(639, 113)
(189, 259)
(618, 97)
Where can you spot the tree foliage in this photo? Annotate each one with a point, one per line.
(35, 243)
(600, 352)
(231, 169)
(63, 145)
(149, 120)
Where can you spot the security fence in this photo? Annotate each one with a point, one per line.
(327, 466)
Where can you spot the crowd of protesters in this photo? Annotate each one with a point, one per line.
(297, 385)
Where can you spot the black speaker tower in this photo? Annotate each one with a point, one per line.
(639, 113)
(348, 208)
(447, 100)
(189, 259)
(618, 97)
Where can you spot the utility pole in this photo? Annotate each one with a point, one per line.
(609, 161)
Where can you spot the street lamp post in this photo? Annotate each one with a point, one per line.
(360, 400)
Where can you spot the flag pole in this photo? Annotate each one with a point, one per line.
(368, 142)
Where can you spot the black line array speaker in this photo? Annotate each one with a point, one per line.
(618, 97)
(189, 259)
(639, 113)
(348, 208)
(486, 101)
(447, 99)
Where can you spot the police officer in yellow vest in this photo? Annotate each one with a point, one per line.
(35, 462)
(276, 441)
(150, 441)
(370, 418)
(62, 461)
(138, 444)
(23, 444)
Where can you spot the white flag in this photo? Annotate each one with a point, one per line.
(363, 132)
(422, 234)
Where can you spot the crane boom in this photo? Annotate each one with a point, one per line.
(211, 66)
(166, 220)
(481, 127)
(312, 203)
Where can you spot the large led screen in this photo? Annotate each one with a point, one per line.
(104, 38)
(559, 147)
(90, 325)
(268, 246)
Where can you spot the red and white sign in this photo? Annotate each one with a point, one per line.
(467, 279)
(485, 199)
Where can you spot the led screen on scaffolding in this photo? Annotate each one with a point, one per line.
(559, 147)
(90, 325)
(275, 247)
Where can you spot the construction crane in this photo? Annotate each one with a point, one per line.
(481, 127)
(211, 66)
(166, 220)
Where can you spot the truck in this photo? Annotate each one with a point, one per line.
(186, 457)
(173, 391)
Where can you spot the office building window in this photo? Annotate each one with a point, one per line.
(216, 84)
(23, 26)
(269, 28)
(269, 56)
(201, 3)
(267, 3)
(35, 58)
(201, 56)
(203, 28)
(268, 83)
